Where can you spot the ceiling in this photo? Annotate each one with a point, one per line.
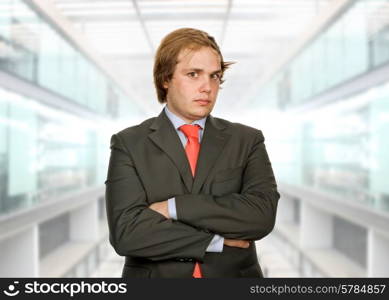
(253, 33)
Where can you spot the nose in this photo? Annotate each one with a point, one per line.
(205, 86)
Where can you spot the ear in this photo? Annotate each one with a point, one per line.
(166, 84)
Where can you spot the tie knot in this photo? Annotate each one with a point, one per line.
(190, 130)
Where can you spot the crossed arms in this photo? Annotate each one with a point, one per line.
(139, 229)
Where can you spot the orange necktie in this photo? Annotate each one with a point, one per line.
(192, 149)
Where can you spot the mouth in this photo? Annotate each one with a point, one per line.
(203, 102)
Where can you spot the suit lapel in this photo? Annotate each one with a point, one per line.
(165, 137)
(212, 144)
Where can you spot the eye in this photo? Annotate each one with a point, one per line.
(216, 76)
(193, 74)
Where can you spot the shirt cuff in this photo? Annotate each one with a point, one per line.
(216, 244)
(171, 207)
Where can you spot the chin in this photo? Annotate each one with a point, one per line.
(203, 113)
(198, 116)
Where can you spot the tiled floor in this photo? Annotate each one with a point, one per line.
(111, 267)
(272, 262)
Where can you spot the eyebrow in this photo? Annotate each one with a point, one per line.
(201, 70)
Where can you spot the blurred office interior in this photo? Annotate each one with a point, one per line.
(313, 75)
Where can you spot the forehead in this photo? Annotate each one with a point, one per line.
(204, 57)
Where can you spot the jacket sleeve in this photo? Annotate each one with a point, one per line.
(136, 230)
(248, 215)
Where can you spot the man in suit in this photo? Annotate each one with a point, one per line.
(187, 194)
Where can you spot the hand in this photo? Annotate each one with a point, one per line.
(161, 207)
(237, 243)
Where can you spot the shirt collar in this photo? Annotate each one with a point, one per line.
(177, 121)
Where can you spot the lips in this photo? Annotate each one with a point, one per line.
(203, 101)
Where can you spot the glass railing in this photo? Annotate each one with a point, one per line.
(46, 153)
(355, 43)
(339, 149)
(35, 50)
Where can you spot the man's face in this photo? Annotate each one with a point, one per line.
(192, 91)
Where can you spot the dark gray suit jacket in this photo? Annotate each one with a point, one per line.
(233, 194)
